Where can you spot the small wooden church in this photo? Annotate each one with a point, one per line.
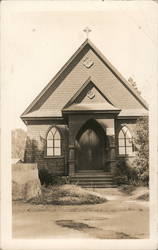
(83, 120)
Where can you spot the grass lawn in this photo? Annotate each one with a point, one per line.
(120, 217)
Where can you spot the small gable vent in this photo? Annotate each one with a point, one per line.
(87, 62)
(90, 94)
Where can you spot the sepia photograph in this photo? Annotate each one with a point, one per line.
(79, 83)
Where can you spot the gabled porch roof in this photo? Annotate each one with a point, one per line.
(91, 107)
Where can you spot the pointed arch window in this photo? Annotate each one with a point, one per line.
(53, 142)
(125, 142)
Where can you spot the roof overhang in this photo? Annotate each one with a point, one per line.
(131, 117)
(132, 113)
(95, 108)
(48, 118)
(90, 112)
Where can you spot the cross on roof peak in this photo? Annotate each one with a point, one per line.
(87, 30)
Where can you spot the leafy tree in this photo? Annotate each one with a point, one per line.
(141, 140)
(18, 138)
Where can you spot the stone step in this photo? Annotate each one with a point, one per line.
(99, 186)
(91, 178)
(99, 181)
(92, 173)
(92, 182)
(89, 171)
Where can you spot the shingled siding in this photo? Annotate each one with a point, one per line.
(36, 147)
(76, 75)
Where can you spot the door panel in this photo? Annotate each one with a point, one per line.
(89, 151)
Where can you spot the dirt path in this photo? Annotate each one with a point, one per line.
(116, 219)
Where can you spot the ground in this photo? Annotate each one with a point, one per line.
(122, 216)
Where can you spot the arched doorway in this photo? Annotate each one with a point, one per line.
(90, 147)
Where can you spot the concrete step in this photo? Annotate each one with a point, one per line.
(92, 173)
(90, 170)
(92, 178)
(95, 181)
(99, 186)
(99, 181)
(93, 184)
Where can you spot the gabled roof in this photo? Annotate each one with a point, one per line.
(87, 82)
(74, 106)
(29, 112)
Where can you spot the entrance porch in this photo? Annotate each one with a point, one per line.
(92, 142)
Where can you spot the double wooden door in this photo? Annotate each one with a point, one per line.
(89, 151)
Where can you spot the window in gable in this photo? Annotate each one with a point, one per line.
(53, 143)
(125, 142)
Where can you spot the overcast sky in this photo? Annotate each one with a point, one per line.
(39, 37)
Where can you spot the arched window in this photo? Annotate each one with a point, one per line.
(125, 142)
(53, 143)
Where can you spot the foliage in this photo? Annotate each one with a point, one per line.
(68, 195)
(47, 178)
(32, 151)
(125, 173)
(18, 138)
(136, 172)
(141, 140)
(127, 189)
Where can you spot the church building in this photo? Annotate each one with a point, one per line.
(83, 121)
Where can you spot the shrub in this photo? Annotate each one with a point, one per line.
(137, 172)
(141, 140)
(127, 189)
(68, 195)
(144, 178)
(47, 178)
(125, 173)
